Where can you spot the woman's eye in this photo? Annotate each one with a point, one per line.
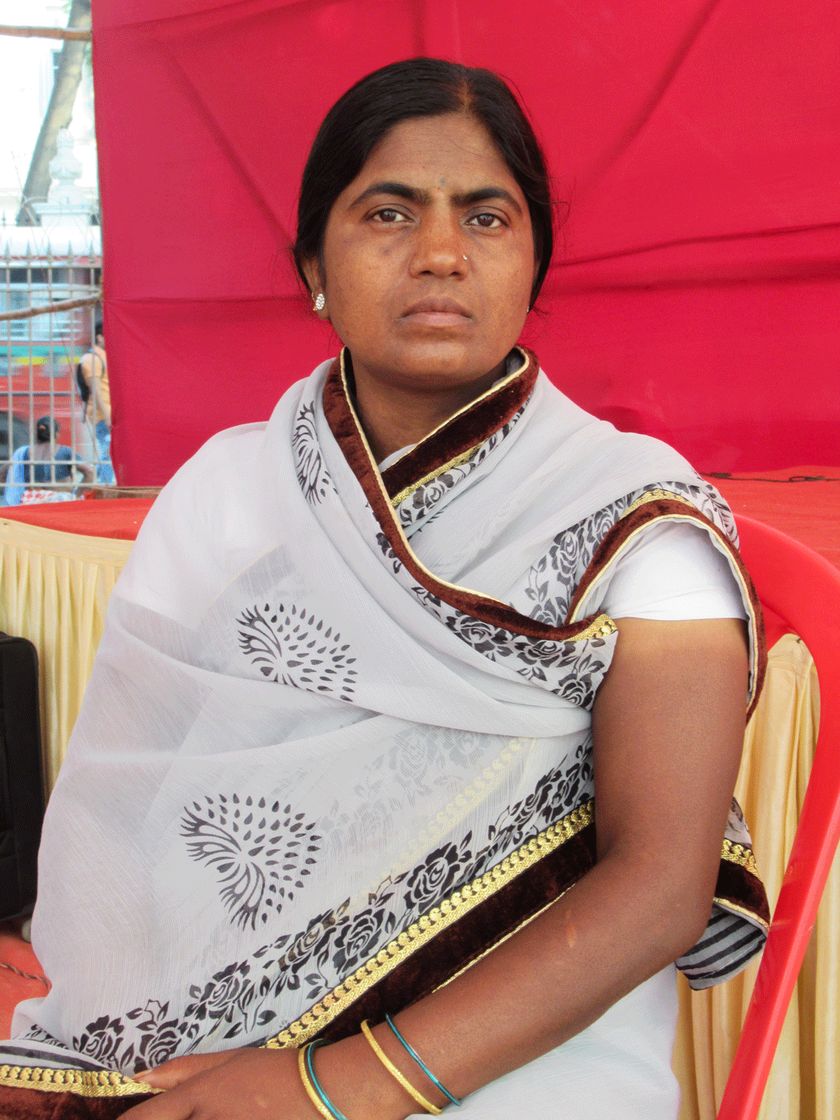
(390, 217)
(486, 221)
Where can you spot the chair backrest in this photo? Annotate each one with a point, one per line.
(804, 589)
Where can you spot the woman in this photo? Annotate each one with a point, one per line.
(45, 462)
(344, 733)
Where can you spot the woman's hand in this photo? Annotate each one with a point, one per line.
(252, 1084)
(241, 1084)
(172, 1073)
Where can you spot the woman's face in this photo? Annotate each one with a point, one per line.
(428, 258)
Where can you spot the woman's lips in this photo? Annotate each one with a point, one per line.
(434, 312)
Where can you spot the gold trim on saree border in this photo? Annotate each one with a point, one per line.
(719, 540)
(465, 456)
(502, 383)
(655, 496)
(458, 461)
(743, 911)
(600, 627)
(106, 1083)
(81, 1082)
(741, 854)
(395, 524)
(428, 926)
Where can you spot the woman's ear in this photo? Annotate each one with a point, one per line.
(315, 283)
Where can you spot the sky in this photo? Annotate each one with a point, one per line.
(25, 83)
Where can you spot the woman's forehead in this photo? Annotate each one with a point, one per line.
(447, 151)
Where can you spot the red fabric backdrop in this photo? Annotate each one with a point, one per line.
(695, 142)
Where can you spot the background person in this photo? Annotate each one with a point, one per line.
(44, 462)
(92, 378)
(349, 734)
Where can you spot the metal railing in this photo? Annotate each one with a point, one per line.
(48, 307)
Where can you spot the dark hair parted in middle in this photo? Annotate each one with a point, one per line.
(419, 87)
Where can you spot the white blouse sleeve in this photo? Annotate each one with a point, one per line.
(673, 572)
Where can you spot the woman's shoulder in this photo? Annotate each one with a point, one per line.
(219, 461)
(597, 465)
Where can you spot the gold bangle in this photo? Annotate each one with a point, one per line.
(307, 1084)
(395, 1073)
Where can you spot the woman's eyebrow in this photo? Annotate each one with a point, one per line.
(423, 198)
(401, 190)
(485, 194)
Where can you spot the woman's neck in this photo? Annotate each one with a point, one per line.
(397, 416)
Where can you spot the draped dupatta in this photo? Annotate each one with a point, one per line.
(336, 744)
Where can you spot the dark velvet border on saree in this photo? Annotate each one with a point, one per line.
(432, 964)
(34, 1104)
(738, 887)
(473, 935)
(469, 429)
(663, 509)
(477, 932)
(478, 423)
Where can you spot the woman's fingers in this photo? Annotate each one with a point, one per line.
(172, 1105)
(172, 1073)
(245, 1084)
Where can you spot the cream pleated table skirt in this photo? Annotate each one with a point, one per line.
(54, 589)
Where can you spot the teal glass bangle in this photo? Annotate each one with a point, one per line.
(410, 1050)
(316, 1085)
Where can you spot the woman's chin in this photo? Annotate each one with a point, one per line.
(434, 360)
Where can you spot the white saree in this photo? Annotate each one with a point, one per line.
(336, 744)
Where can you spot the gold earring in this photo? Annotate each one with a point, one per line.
(320, 302)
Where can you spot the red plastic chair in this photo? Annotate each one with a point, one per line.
(804, 589)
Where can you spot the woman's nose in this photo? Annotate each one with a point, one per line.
(439, 247)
